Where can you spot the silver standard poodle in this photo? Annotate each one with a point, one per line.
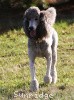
(42, 42)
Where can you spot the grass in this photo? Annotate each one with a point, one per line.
(14, 66)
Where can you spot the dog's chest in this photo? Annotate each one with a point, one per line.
(39, 48)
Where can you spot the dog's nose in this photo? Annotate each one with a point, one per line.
(31, 28)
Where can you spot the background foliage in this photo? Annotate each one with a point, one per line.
(26, 3)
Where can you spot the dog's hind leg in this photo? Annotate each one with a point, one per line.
(54, 59)
(34, 86)
(53, 67)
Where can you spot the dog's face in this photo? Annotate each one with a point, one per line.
(31, 19)
(36, 21)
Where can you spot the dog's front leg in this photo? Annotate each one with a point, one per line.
(48, 77)
(34, 83)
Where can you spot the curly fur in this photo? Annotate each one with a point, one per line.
(44, 18)
(42, 41)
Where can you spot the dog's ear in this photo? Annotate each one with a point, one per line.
(24, 18)
(25, 13)
(25, 23)
(51, 15)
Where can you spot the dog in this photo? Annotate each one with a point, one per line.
(42, 42)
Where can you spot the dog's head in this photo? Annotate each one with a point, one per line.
(35, 20)
(31, 21)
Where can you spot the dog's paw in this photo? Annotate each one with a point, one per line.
(34, 85)
(54, 79)
(47, 79)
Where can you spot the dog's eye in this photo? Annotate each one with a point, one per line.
(36, 18)
(28, 19)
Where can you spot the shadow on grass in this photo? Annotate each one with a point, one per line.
(10, 21)
(65, 16)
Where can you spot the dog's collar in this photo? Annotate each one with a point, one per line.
(39, 40)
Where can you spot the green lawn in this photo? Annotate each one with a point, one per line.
(14, 66)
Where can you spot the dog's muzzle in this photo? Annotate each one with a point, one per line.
(32, 27)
